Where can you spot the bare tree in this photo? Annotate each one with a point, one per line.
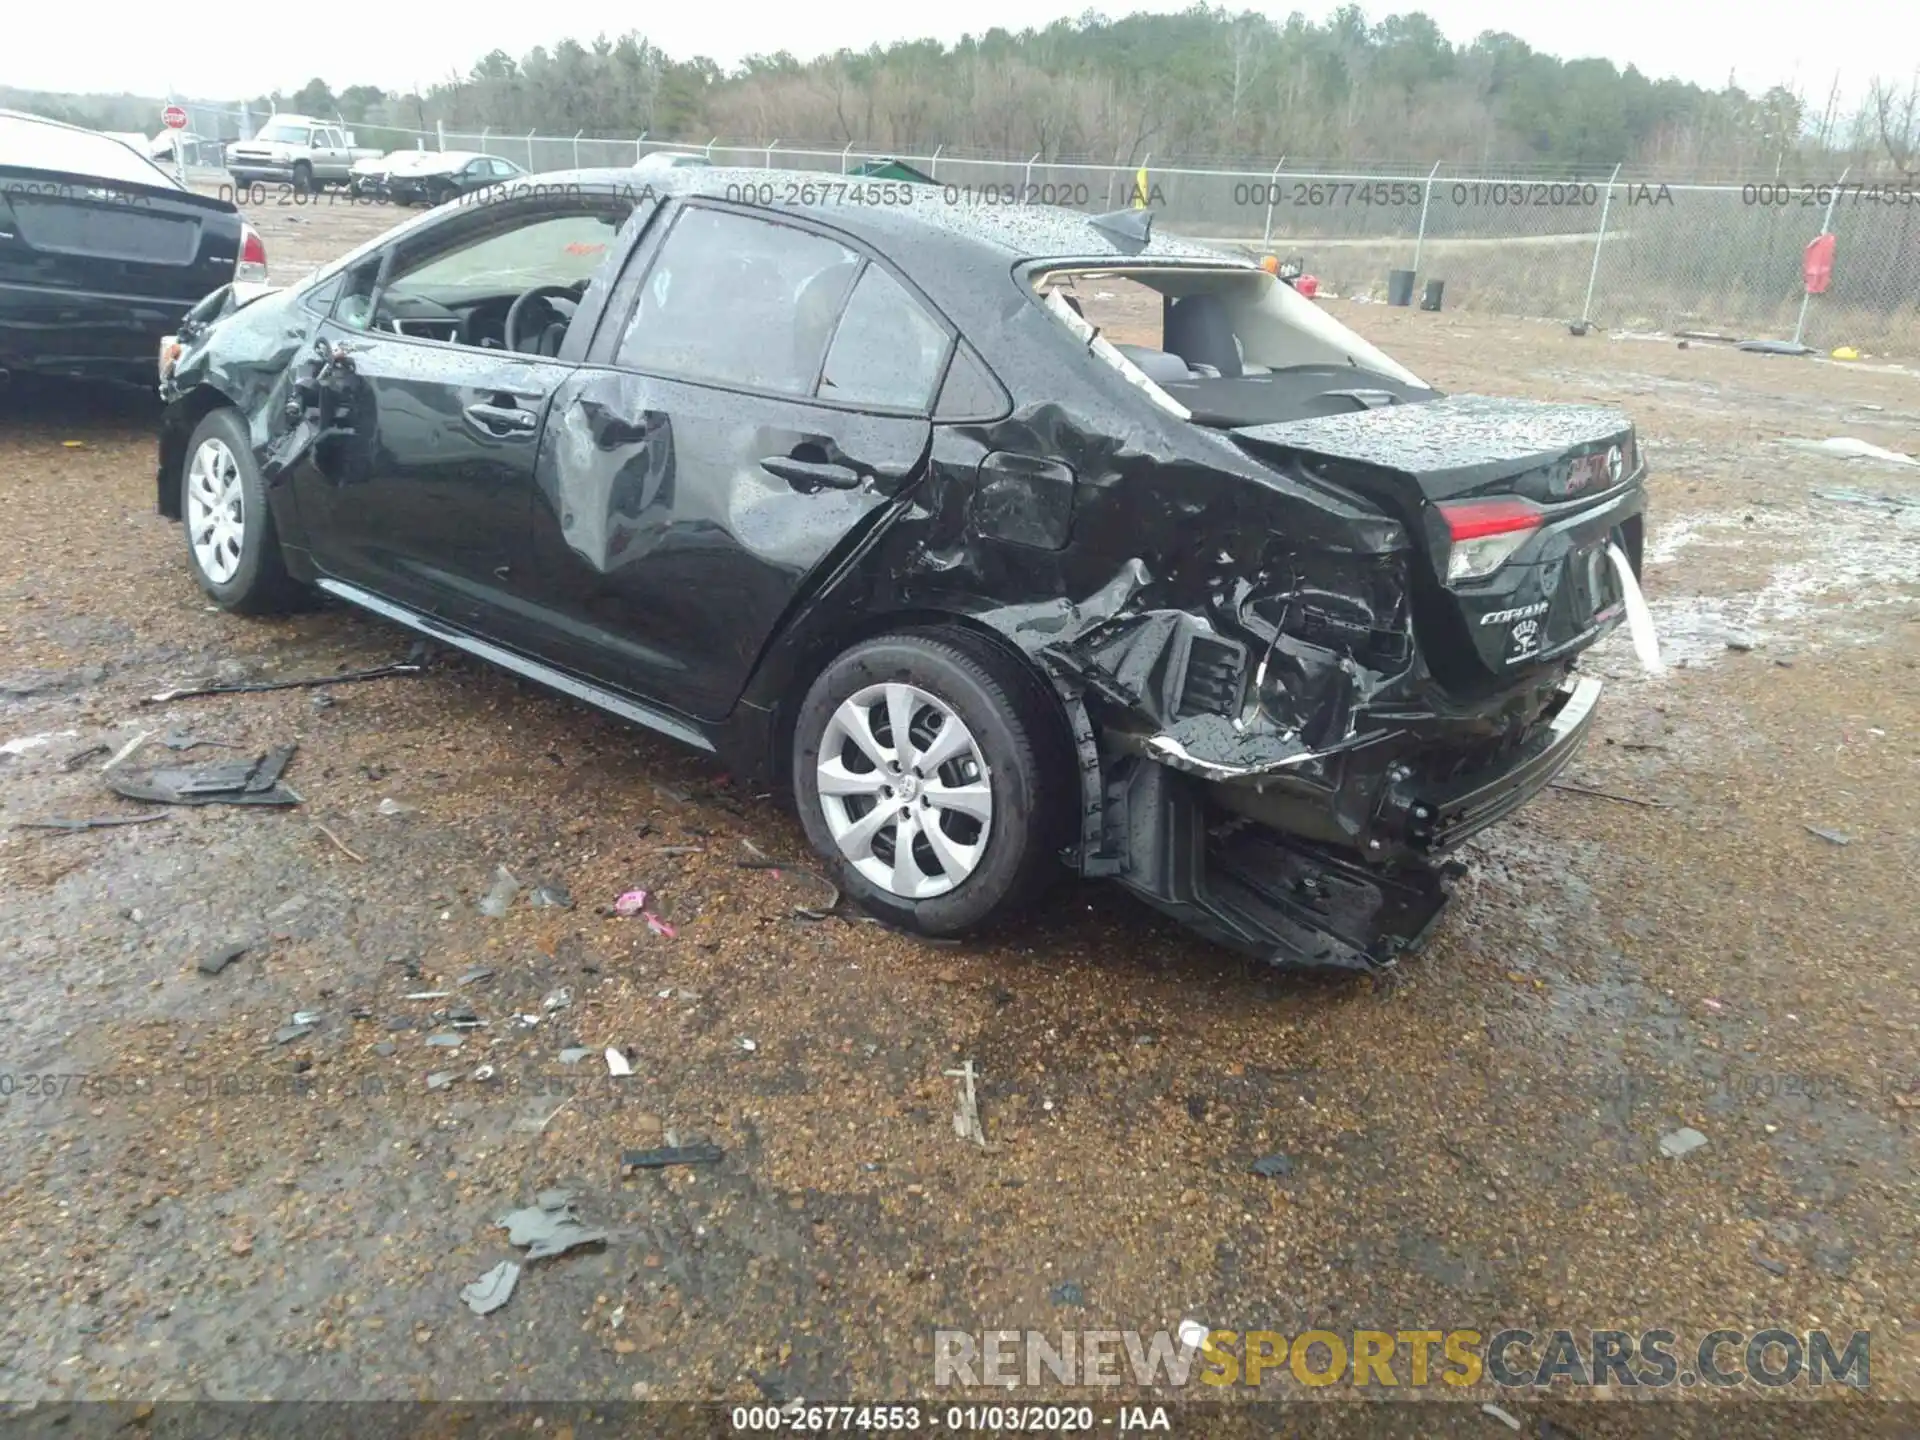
(1898, 119)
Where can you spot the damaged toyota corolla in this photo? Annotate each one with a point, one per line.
(838, 480)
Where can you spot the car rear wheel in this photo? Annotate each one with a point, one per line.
(231, 544)
(302, 178)
(960, 823)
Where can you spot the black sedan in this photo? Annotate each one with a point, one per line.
(102, 252)
(434, 177)
(835, 478)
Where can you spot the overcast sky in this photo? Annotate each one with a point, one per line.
(254, 49)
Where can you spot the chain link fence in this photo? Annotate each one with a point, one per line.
(1625, 249)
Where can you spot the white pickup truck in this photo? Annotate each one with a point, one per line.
(296, 150)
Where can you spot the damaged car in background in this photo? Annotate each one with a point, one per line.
(102, 252)
(1214, 599)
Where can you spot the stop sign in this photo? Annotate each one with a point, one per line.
(174, 117)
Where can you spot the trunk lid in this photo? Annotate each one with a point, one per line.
(1457, 466)
(147, 244)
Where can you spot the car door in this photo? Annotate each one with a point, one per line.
(421, 490)
(755, 397)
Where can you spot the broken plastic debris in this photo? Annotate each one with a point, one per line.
(548, 1231)
(475, 976)
(552, 897)
(966, 1118)
(493, 1289)
(665, 1155)
(92, 822)
(287, 1034)
(393, 807)
(558, 1000)
(1502, 1416)
(446, 1040)
(617, 1063)
(1683, 1141)
(215, 961)
(427, 995)
(178, 739)
(1272, 1167)
(659, 926)
(188, 692)
(630, 903)
(1832, 837)
(483, 1072)
(1646, 643)
(574, 1054)
(306, 1017)
(440, 1080)
(747, 1045)
(497, 899)
(236, 783)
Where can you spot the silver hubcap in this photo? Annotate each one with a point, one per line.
(216, 510)
(905, 790)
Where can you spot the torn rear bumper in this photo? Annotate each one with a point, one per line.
(1435, 818)
(1187, 846)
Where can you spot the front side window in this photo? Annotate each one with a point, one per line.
(739, 301)
(550, 250)
(888, 350)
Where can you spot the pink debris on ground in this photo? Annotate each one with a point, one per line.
(659, 926)
(631, 903)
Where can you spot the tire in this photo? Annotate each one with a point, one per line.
(232, 547)
(993, 858)
(302, 178)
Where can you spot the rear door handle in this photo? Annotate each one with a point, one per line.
(502, 419)
(811, 474)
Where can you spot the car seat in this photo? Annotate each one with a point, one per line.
(1200, 332)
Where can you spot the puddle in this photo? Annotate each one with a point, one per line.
(1833, 566)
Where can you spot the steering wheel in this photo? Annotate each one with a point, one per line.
(517, 311)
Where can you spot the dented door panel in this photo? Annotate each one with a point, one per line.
(674, 524)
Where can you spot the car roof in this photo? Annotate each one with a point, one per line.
(1012, 232)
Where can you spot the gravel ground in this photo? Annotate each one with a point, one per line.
(200, 1211)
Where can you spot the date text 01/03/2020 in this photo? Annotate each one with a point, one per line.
(974, 1419)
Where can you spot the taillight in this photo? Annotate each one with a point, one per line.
(1485, 533)
(253, 256)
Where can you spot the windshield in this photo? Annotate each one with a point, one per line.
(283, 135)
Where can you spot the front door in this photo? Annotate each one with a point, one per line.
(422, 486)
(426, 500)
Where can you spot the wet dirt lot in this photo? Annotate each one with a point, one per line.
(191, 1208)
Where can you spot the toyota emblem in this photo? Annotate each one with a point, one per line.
(1614, 465)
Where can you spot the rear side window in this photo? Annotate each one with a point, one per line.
(970, 391)
(739, 301)
(888, 350)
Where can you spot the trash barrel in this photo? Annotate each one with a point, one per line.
(1431, 301)
(1399, 287)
